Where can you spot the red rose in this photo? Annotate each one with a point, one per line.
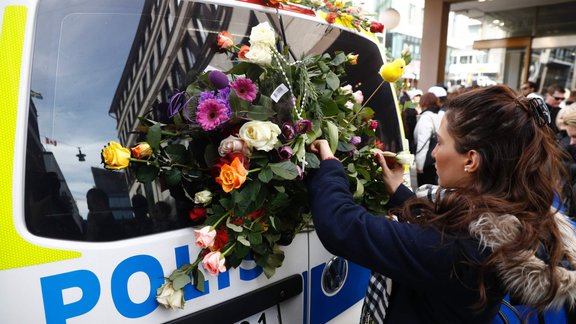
(255, 215)
(221, 239)
(197, 214)
(373, 125)
(376, 27)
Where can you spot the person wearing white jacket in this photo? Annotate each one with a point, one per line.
(428, 124)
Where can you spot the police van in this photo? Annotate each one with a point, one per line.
(78, 73)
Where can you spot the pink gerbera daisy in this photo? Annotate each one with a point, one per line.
(211, 113)
(245, 89)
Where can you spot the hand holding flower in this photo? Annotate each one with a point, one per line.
(322, 149)
(392, 172)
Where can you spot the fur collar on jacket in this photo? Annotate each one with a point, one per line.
(525, 274)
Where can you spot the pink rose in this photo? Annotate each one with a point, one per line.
(233, 144)
(213, 262)
(205, 237)
(358, 96)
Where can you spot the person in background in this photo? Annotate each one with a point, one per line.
(442, 96)
(527, 88)
(571, 98)
(428, 124)
(489, 230)
(554, 96)
(410, 117)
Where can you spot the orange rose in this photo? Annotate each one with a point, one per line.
(243, 51)
(141, 151)
(232, 176)
(225, 40)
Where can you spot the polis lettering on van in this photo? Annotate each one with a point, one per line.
(57, 312)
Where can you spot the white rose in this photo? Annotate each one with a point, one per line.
(317, 3)
(233, 144)
(262, 34)
(347, 89)
(349, 104)
(261, 135)
(405, 157)
(169, 297)
(260, 54)
(358, 96)
(203, 197)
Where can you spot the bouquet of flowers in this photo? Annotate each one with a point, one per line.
(236, 148)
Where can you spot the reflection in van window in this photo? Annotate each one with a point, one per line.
(98, 65)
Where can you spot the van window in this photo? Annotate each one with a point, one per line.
(98, 65)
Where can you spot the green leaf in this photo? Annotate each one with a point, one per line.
(265, 175)
(255, 238)
(173, 176)
(345, 147)
(243, 240)
(269, 271)
(263, 113)
(198, 280)
(146, 173)
(285, 169)
(240, 68)
(339, 59)
(276, 258)
(210, 154)
(176, 273)
(366, 113)
(313, 161)
(178, 153)
(332, 80)
(359, 189)
(238, 105)
(329, 107)
(323, 67)
(332, 135)
(154, 135)
(181, 281)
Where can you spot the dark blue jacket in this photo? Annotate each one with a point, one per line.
(434, 279)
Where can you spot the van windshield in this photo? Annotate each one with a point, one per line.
(98, 65)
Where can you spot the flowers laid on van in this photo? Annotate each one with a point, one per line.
(235, 150)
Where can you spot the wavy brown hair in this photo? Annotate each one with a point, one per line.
(520, 173)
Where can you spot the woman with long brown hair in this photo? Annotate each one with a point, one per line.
(489, 230)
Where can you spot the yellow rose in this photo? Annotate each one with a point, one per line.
(142, 150)
(232, 176)
(114, 156)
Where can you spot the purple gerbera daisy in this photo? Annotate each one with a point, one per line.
(211, 114)
(224, 96)
(205, 95)
(245, 89)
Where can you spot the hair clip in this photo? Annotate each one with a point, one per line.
(540, 111)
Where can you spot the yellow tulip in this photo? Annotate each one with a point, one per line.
(392, 71)
(115, 156)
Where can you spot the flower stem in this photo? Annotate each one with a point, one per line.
(229, 249)
(366, 101)
(254, 170)
(220, 220)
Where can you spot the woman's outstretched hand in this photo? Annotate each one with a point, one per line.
(322, 149)
(392, 172)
